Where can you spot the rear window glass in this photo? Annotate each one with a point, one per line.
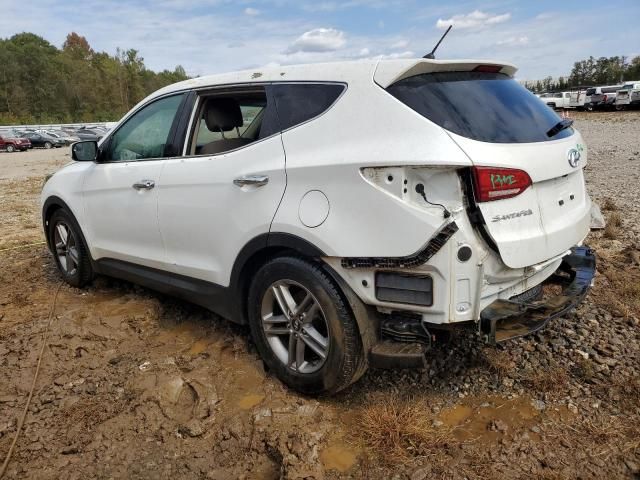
(297, 103)
(489, 107)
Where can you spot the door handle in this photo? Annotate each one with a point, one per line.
(256, 180)
(144, 185)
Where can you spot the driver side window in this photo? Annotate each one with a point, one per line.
(146, 133)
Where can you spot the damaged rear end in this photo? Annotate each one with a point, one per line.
(524, 194)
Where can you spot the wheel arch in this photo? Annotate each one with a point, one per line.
(50, 206)
(256, 253)
(267, 246)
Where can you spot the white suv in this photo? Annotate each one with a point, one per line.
(350, 213)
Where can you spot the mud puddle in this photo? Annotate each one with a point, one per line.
(488, 419)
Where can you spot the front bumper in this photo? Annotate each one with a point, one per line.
(504, 319)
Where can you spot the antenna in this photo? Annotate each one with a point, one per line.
(431, 55)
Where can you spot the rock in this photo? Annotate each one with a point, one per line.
(193, 428)
(539, 405)
(69, 450)
(498, 425)
(584, 355)
(572, 408)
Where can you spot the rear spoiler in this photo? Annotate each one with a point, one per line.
(389, 72)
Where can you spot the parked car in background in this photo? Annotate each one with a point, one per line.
(68, 139)
(43, 140)
(11, 143)
(602, 98)
(284, 203)
(628, 95)
(577, 99)
(557, 100)
(87, 134)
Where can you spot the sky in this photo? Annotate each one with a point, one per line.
(541, 37)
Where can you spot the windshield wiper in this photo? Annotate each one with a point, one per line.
(558, 127)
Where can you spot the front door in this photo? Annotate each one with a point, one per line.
(120, 190)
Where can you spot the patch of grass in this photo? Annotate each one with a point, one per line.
(552, 380)
(397, 430)
(611, 232)
(609, 204)
(584, 370)
(621, 295)
(498, 361)
(615, 219)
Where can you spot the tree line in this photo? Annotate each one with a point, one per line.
(590, 72)
(40, 83)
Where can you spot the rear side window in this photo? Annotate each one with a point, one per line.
(297, 103)
(590, 91)
(489, 107)
(610, 89)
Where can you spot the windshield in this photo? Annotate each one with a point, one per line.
(489, 107)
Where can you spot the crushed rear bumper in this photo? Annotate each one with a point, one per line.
(504, 319)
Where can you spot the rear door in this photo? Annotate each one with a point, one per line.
(507, 133)
(227, 188)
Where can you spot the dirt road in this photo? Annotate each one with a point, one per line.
(138, 385)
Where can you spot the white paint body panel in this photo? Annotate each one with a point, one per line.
(120, 221)
(205, 219)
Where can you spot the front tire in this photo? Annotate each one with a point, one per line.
(303, 327)
(47, 145)
(69, 250)
(10, 149)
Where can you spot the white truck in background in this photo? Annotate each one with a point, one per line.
(628, 95)
(557, 100)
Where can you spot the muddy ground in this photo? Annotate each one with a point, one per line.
(138, 385)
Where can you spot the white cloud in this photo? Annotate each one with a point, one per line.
(251, 11)
(514, 41)
(318, 40)
(396, 55)
(400, 44)
(475, 19)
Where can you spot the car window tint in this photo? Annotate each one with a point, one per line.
(298, 103)
(146, 133)
(489, 107)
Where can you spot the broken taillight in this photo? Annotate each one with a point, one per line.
(495, 183)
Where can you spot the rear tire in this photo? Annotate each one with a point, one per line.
(69, 250)
(303, 328)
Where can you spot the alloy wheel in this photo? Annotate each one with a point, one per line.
(66, 248)
(295, 326)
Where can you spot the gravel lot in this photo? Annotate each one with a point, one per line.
(137, 385)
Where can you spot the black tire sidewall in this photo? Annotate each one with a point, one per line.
(84, 272)
(328, 378)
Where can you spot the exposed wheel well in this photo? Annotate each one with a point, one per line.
(251, 267)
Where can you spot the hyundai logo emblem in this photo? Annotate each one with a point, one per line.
(574, 157)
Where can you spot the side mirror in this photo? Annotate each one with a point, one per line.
(84, 151)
